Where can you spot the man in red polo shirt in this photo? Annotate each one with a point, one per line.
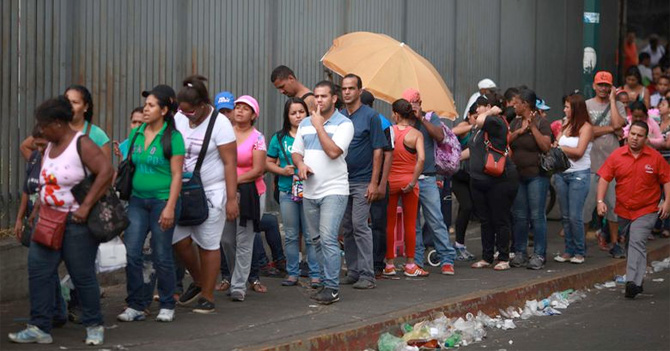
(638, 170)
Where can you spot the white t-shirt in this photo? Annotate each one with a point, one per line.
(331, 176)
(212, 170)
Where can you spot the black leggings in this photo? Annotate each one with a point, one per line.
(492, 203)
(461, 188)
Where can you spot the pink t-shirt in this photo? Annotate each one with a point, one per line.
(245, 159)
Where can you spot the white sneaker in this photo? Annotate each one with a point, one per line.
(165, 315)
(131, 315)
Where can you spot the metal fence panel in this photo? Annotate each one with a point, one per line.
(117, 48)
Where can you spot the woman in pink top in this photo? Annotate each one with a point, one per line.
(238, 236)
(62, 169)
(639, 113)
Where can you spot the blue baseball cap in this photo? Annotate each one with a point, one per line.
(224, 99)
(541, 105)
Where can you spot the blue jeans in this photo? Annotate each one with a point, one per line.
(144, 215)
(430, 202)
(529, 209)
(79, 251)
(294, 220)
(572, 189)
(323, 218)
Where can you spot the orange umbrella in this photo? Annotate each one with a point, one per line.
(388, 67)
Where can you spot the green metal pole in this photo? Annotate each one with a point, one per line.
(590, 44)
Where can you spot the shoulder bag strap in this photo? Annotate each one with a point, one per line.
(79, 153)
(281, 147)
(603, 115)
(130, 147)
(205, 142)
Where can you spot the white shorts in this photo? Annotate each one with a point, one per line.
(208, 234)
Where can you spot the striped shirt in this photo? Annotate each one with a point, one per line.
(330, 175)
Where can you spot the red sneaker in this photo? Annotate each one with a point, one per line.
(415, 271)
(448, 269)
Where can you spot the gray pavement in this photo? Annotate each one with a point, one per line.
(287, 312)
(605, 320)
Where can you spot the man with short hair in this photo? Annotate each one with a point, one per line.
(319, 153)
(638, 170)
(429, 194)
(286, 82)
(364, 160)
(607, 116)
(378, 207)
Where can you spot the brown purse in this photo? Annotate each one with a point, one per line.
(50, 227)
(491, 166)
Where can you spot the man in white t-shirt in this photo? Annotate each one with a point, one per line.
(319, 152)
(485, 86)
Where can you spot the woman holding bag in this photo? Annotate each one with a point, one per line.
(492, 194)
(69, 240)
(572, 185)
(238, 235)
(219, 180)
(279, 162)
(158, 156)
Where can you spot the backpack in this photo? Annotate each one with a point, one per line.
(447, 152)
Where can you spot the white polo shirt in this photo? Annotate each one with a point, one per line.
(330, 175)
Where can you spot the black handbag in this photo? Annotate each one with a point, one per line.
(554, 161)
(194, 209)
(108, 217)
(124, 174)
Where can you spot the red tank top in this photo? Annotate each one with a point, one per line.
(404, 161)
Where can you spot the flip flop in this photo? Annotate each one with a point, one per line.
(481, 264)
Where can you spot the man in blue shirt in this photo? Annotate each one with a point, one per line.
(378, 208)
(429, 195)
(364, 160)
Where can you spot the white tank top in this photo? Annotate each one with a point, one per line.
(584, 162)
(59, 175)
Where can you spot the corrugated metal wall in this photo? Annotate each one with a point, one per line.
(118, 48)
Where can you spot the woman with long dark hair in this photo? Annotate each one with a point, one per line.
(279, 162)
(492, 196)
(82, 107)
(158, 155)
(67, 159)
(636, 91)
(572, 185)
(530, 138)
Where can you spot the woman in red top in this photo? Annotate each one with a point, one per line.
(408, 158)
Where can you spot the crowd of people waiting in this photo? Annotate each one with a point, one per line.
(342, 170)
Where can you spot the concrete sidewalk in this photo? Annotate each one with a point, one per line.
(286, 319)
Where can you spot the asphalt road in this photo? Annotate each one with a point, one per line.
(605, 320)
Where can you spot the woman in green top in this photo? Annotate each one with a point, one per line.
(279, 162)
(158, 155)
(82, 107)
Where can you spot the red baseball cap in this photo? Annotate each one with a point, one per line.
(603, 77)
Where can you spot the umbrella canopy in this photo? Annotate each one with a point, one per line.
(388, 67)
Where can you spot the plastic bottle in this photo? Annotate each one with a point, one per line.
(453, 340)
(388, 342)
(406, 328)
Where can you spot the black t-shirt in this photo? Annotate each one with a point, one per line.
(32, 182)
(526, 152)
(497, 131)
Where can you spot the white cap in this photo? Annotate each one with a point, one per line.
(486, 84)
